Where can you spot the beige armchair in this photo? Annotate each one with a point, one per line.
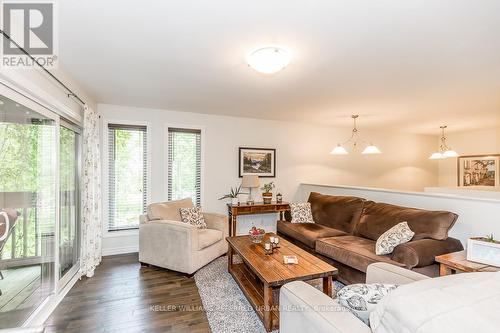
(167, 242)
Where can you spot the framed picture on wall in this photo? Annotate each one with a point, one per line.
(479, 171)
(257, 161)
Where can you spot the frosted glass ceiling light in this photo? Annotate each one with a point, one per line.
(339, 150)
(444, 151)
(371, 149)
(269, 59)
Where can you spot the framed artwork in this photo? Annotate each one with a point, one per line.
(257, 161)
(479, 171)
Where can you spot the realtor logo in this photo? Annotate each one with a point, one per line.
(31, 26)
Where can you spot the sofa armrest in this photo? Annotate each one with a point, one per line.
(161, 233)
(143, 218)
(304, 308)
(217, 222)
(422, 252)
(381, 272)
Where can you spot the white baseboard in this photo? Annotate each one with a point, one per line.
(120, 250)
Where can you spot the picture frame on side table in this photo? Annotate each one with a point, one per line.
(481, 171)
(257, 161)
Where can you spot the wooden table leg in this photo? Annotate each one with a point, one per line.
(233, 224)
(229, 258)
(268, 306)
(327, 285)
(444, 270)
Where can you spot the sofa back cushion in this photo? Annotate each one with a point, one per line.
(168, 210)
(377, 218)
(339, 212)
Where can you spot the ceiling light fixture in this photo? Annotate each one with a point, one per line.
(444, 151)
(268, 59)
(370, 149)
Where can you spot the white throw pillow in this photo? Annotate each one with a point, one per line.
(301, 212)
(361, 299)
(467, 302)
(193, 216)
(399, 234)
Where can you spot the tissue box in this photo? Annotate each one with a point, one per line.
(481, 251)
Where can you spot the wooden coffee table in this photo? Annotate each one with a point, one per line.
(454, 262)
(259, 274)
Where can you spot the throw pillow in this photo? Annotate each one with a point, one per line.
(301, 212)
(361, 299)
(193, 216)
(399, 234)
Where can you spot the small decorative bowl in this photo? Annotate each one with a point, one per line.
(256, 238)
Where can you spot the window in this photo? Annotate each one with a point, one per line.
(184, 164)
(127, 172)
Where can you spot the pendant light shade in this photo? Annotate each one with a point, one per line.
(450, 153)
(444, 151)
(436, 156)
(371, 150)
(339, 150)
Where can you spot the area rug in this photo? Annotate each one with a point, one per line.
(226, 307)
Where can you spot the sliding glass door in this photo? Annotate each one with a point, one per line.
(28, 209)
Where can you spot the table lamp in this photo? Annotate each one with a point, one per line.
(250, 181)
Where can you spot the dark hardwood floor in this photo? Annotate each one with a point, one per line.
(123, 297)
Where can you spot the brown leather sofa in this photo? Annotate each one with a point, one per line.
(346, 230)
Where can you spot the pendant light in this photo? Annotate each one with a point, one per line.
(444, 151)
(370, 149)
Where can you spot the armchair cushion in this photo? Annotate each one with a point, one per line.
(168, 210)
(207, 237)
(422, 252)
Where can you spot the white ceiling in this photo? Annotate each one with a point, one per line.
(407, 65)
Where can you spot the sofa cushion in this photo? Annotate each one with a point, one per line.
(338, 212)
(307, 233)
(399, 234)
(193, 216)
(207, 237)
(168, 210)
(301, 212)
(377, 218)
(361, 298)
(352, 251)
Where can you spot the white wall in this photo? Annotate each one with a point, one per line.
(302, 156)
(480, 142)
(477, 216)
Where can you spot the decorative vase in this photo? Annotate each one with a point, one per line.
(234, 201)
(267, 197)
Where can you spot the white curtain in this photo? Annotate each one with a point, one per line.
(91, 195)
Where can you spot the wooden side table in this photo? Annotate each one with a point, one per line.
(456, 262)
(233, 211)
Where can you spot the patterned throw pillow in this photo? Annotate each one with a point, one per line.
(193, 216)
(361, 299)
(301, 212)
(399, 234)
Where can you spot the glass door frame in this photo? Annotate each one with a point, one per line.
(59, 284)
(62, 281)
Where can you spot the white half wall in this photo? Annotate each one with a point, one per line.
(477, 216)
(302, 152)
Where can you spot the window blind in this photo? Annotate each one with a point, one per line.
(184, 164)
(127, 175)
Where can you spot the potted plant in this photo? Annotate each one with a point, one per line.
(233, 195)
(267, 195)
(484, 250)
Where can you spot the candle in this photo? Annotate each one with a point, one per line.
(267, 246)
(271, 239)
(276, 240)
